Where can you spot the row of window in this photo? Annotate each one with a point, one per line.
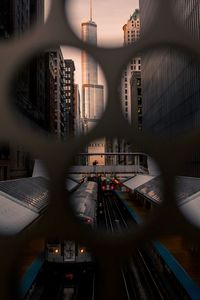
(135, 61)
(96, 145)
(134, 68)
(132, 31)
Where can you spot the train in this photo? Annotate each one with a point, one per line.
(84, 204)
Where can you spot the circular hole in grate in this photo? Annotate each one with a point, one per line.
(159, 93)
(61, 91)
(112, 187)
(91, 18)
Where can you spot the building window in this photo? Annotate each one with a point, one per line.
(125, 91)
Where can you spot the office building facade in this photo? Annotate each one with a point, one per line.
(131, 34)
(28, 88)
(171, 86)
(77, 110)
(136, 99)
(69, 69)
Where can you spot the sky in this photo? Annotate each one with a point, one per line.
(109, 15)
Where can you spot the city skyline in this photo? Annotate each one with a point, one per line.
(110, 28)
(109, 33)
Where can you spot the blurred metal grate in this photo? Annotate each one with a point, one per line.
(163, 30)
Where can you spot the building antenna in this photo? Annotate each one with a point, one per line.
(91, 10)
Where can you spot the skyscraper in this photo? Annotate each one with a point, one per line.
(131, 34)
(92, 92)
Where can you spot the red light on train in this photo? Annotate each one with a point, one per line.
(69, 276)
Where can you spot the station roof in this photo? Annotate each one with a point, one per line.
(152, 189)
(13, 216)
(31, 192)
(137, 181)
(187, 195)
(21, 202)
(71, 184)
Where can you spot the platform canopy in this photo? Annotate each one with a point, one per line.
(187, 191)
(137, 181)
(21, 202)
(71, 184)
(14, 217)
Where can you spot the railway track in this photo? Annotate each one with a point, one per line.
(141, 277)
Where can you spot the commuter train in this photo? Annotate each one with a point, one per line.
(84, 203)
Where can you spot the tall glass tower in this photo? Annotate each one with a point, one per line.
(92, 92)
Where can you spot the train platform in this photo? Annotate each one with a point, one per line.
(173, 249)
(30, 274)
(22, 202)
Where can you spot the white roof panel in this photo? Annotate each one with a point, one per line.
(70, 184)
(39, 169)
(191, 208)
(138, 180)
(14, 217)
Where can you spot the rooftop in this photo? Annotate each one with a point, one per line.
(135, 15)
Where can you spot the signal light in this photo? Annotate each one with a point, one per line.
(69, 276)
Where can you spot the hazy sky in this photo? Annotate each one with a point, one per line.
(109, 15)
